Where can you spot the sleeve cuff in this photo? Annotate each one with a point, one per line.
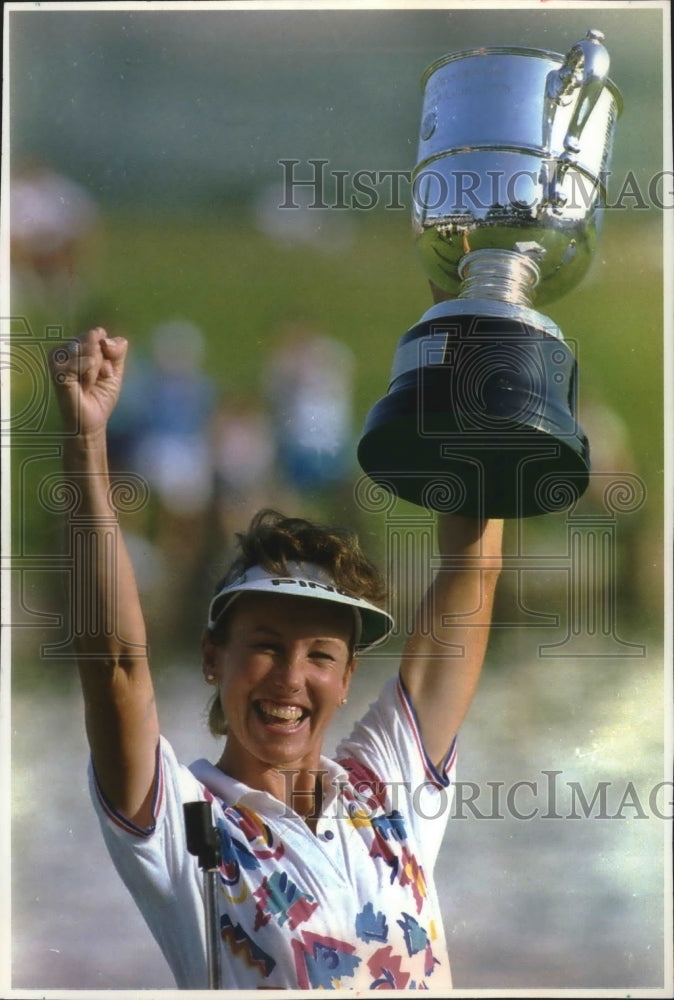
(438, 775)
(120, 821)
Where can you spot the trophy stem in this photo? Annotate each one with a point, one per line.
(505, 275)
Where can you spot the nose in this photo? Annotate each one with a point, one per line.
(289, 668)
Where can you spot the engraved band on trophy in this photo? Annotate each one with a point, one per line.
(509, 191)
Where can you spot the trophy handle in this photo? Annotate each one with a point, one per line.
(585, 71)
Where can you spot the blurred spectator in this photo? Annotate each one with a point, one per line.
(611, 452)
(131, 420)
(598, 581)
(309, 384)
(52, 222)
(244, 460)
(172, 402)
(179, 400)
(613, 461)
(292, 218)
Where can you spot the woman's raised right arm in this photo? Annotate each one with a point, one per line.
(120, 712)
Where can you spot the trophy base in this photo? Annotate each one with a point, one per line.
(483, 424)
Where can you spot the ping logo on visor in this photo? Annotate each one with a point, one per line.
(306, 580)
(280, 581)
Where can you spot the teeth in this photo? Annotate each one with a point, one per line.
(289, 713)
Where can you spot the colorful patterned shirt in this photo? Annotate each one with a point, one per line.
(352, 905)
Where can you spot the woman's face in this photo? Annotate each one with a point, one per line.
(283, 670)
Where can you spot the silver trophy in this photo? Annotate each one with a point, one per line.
(508, 194)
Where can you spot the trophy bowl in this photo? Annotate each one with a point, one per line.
(508, 195)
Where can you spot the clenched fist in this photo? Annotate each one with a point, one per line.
(87, 374)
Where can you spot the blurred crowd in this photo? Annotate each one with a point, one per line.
(211, 457)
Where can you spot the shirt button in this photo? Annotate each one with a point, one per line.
(328, 834)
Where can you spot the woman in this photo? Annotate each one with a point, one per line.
(326, 875)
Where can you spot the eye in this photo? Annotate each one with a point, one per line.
(321, 656)
(266, 647)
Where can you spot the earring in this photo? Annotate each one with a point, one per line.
(343, 701)
(210, 678)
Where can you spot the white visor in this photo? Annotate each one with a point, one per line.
(306, 580)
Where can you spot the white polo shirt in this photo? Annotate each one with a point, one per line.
(351, 906)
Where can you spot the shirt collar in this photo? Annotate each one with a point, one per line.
(233, 792)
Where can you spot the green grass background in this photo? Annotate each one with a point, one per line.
(238, 286)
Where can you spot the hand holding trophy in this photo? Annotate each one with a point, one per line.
(509, 191)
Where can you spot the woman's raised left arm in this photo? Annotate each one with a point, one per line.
(443, 658)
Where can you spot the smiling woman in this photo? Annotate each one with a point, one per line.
(282, 674)
(326, 874)
(334, 573)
